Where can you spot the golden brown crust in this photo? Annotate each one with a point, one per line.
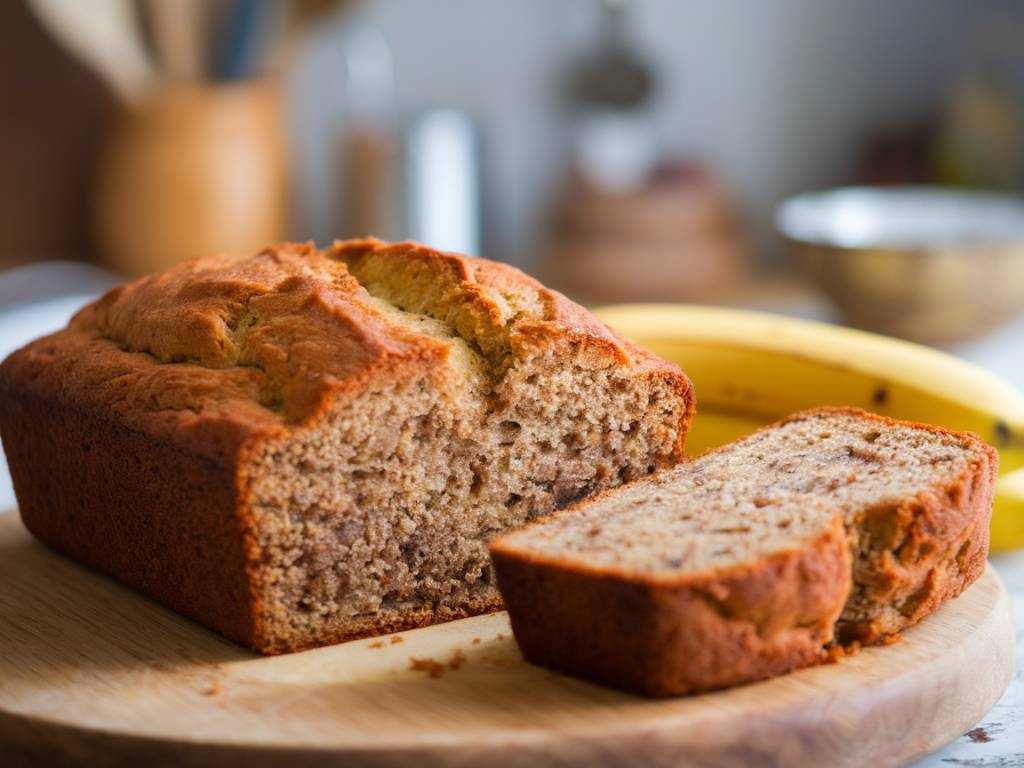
(636, 631)
(189, 372)
(662, 637)
(150, 514)
(220, 350)
(916, 553)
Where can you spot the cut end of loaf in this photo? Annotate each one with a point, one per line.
(376, 517)
(381, 512)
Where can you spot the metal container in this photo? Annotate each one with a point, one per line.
(931, 264)
(443, 181)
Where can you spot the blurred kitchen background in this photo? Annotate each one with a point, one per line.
(621, 150)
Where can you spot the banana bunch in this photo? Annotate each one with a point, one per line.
(750, 369)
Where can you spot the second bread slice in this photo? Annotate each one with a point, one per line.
(745, 562)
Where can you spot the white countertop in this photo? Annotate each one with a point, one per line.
(995, 742)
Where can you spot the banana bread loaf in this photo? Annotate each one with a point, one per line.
(743, 563)
(305, 447)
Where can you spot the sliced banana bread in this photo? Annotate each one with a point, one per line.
(304, 447)
(743, 563)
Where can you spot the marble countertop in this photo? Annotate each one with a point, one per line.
(997, 741)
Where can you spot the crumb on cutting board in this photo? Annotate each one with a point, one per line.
(213, 689)
(376, 644)
(396, 639)
(837, 652)
(978, 735)
(435, 668)
(458, 659)
(431, 667)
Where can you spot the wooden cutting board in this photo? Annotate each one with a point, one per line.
(91, 673)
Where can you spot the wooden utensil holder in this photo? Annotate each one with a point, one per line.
(195, 169)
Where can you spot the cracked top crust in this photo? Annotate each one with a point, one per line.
(219, 350)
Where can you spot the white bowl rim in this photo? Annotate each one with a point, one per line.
(902, 217)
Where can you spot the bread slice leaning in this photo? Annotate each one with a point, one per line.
(747, 561)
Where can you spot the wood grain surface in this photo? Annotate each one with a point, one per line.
(91, 673)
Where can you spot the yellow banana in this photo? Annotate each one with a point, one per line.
(751, 368)
(711, 429)
(1008, 512)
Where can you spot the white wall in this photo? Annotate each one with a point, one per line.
(776, 94)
